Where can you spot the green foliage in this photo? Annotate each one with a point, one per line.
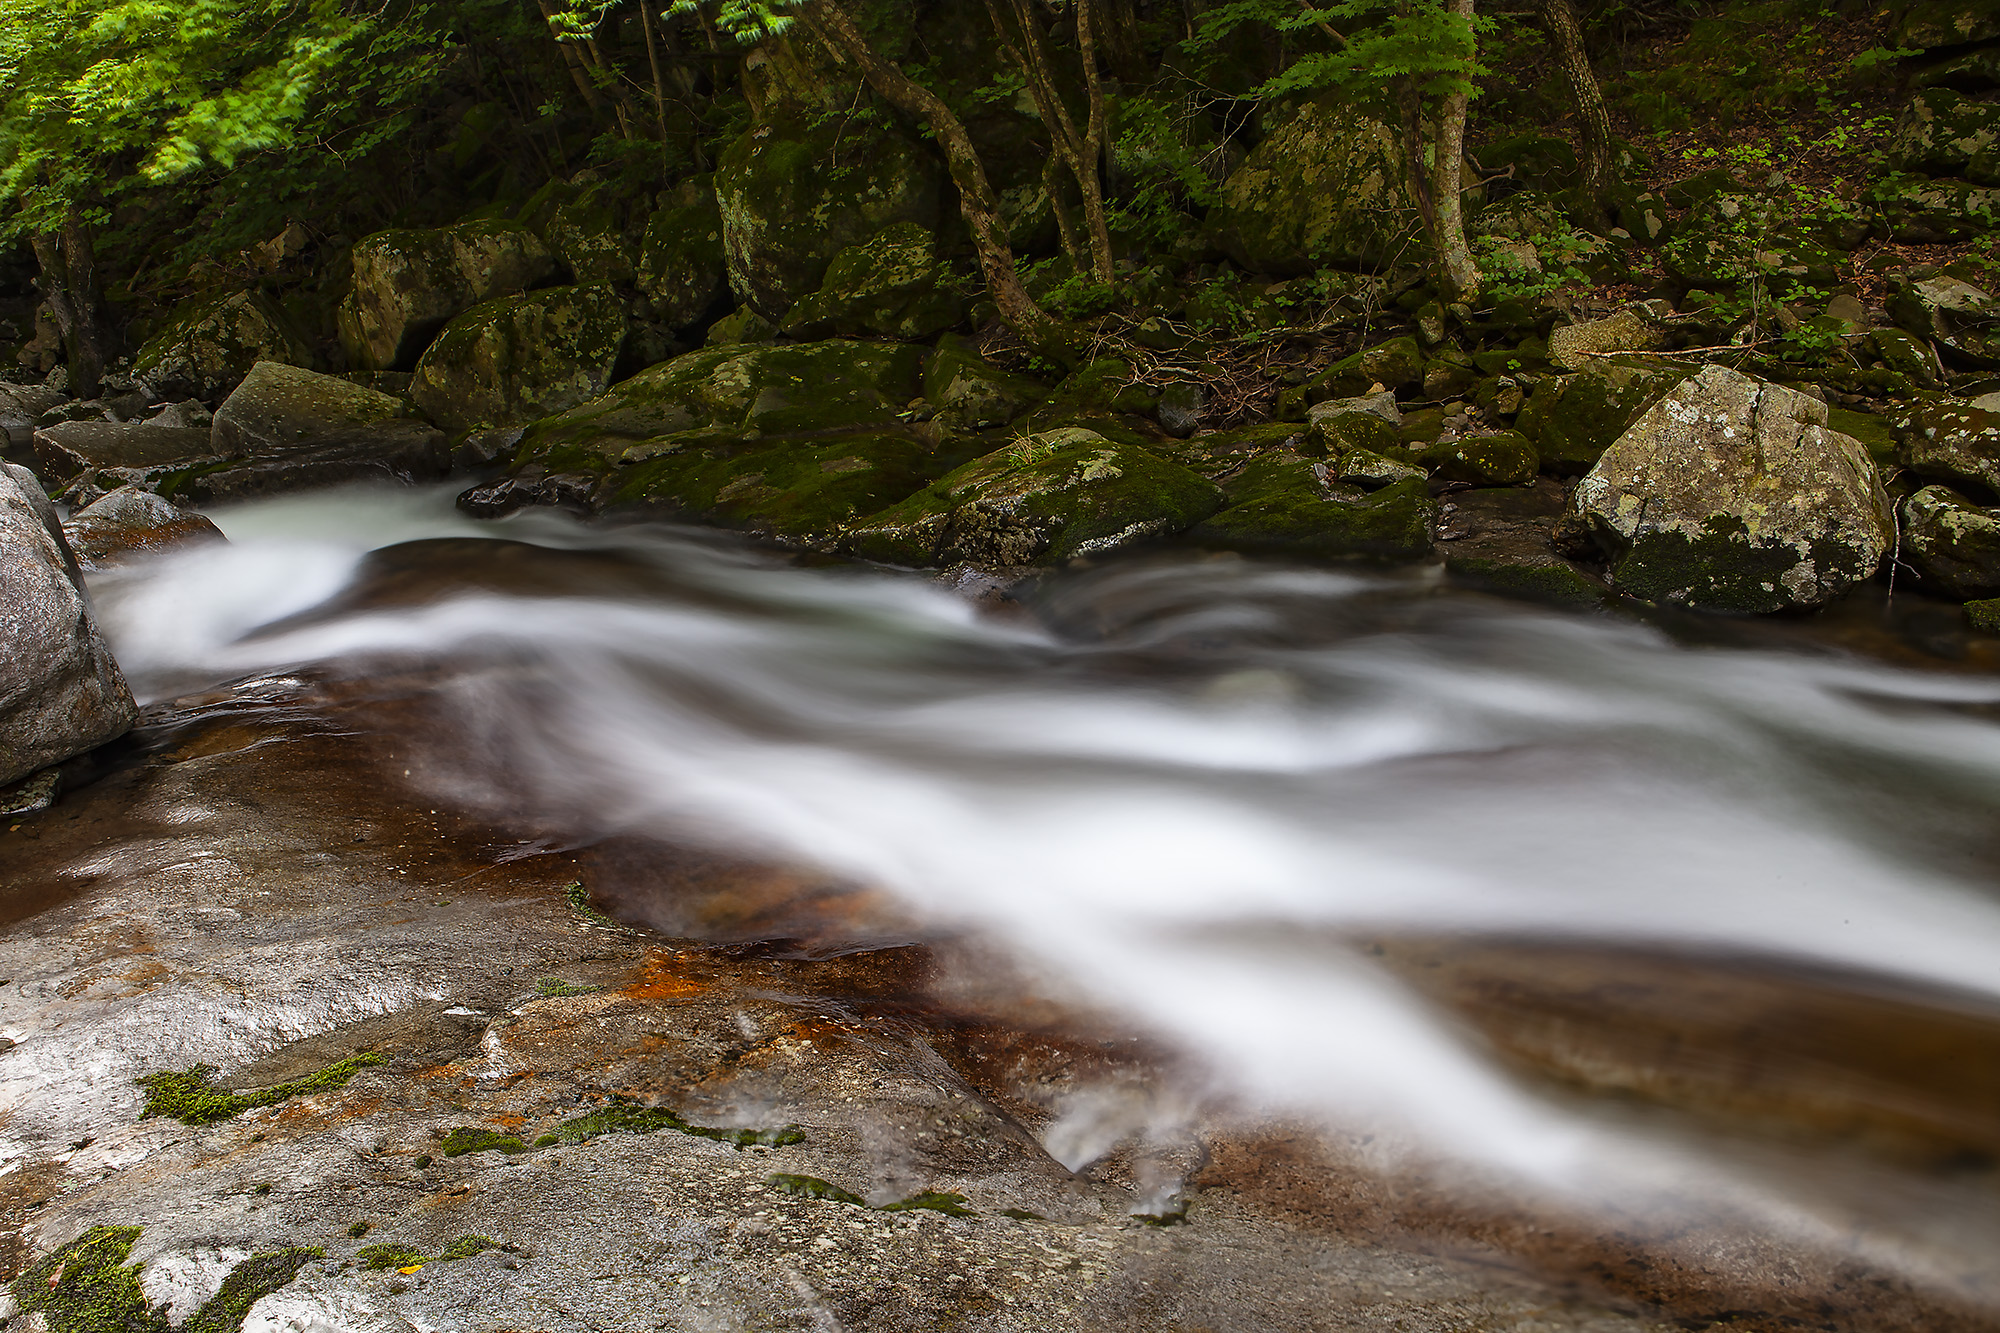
(1559, 254)
(1422, 42)
(1154, 144)
(748, 21)
(191, 1095)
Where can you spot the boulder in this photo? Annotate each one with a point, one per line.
(792, 198)
(1500, 540)
(408, 284)
(891, 284)
(968, 392)
(1952, 542)
(1731, 494)
(131, 522)
(1043, 499)
(1395, 364)
(132, 450)
(1952, 442)
(1573, 345)
(1732, 238)
(61, 693)
(516, 359)
(1283, 502)
(1497, 458)
(1372, 471)
(681, 264)
(1961, 319)
(1936, 212)
(1571, 420)
(1367, 421)
(1933, 23)
(21, 405)
(588, 235)
(207, 348)
(1944, 133)
(1326, 189)
(279, 407)
(1180, 407)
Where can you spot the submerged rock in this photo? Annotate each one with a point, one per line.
(1043, 499)
(1286, 503)
(408, 284)
(1731, 494)
(61, 693)
(131, 522)
(206, 349)
(1952, 542)
(518, 358)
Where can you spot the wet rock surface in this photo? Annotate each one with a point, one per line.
(131, 522)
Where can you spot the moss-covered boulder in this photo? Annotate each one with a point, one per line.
(1572, 419)
(791, 198)
(1961, 319)
(590, 235)
(1733, 238)
(1329, 188)
(1932, 23)
(968, 392)
(1919, 211)
(1573, 346)
(1042, 499)
(1952, 442)
(1395, 364)
(765, 387)
(409, 283)
(1283, 502)
(800, 492)
(510, 361)
(1366, 421)
(1499, 458)
(278, 406)
(681, 265)
(1731, 494)
(207, 348)
(891, 284)
(1372, 471)
(1952, 542)
(1945, 133)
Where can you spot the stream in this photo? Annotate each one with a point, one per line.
(1215, 800)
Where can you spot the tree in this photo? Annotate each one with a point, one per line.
(1594, 122)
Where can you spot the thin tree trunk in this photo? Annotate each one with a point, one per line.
(1593, 121)
(1074, 147)
(69, 284)
(1072, 244)
(1119, 21)
(571, 60)
(976, 199)
(653, 58)
(1094, 146)
(1461, 274)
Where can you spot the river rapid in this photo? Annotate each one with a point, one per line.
(1196, 793)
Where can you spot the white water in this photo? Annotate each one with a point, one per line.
(1182, 811)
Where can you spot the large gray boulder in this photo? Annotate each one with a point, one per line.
(1952, 542)
(279, 407)
(61, 693)
(20, 406)
(1731, 494)
(129, 450)
(521, 358)
(408, 284)
(208, 346)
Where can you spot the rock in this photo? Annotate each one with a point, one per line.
(1731, 238)
(1944, 133)
(402, 450)
(280, 407)
(1395, 364)
(21, 406)
(1179, 408)
(1325, 189)
(1951, 442)
(1368, 421)
(971, 393)
(1571, 346)
(1984, 615)
(1960, 318)
(1371, 471)
(1500, 540)
(132, 450)
(1847, 310)
(791, 199)
(1952, 542)
(516, 359)
(60, 691)
(890, 284)
(1502, 458)
(188, 414)
(1931, 23)
(681, 263)
(1936, 212)
(131, 522)
(1573, 419)
(742, 325)
(1044, 499)
(1730, 494)
(588, 234)
(1282, 502)
(408, 284)
(1907, 355)
(207, 348)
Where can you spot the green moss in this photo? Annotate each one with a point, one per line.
(1281, 502)
(1503, 459)
(579, 902)
(951, 1205)
(622, 1117)
(1984, 615)
(249, 1282)
(191, 1095)
(86, 1287)
(1719, 569)
(1022, 1215)
(381, 1257)
(555, 988)
(1549, 580)
(358, 1230)
(812, 1187)
(1877, 436)
(471, 1138)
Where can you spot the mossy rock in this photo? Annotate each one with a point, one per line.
(207, 348)
(891, 284)
(792, 198)
(797, 493)
(1877, 434)
(1283, 502)
(969, 392)
(1951, 442)
(87, 1287)
(1944, 133)
(1504, 458)
(1984, 615)
(278, 406)
(794, 387)
(1933, 23)
(1921, 211)
(1395, 364)
(1329, 188)
(408, 284)
(1572, 420)
(1045, 498)
(519, 358)
(1962, 319)
(682, 268)
(589, 235)
(1731, 238)
(1952, 542)
(1372, 471)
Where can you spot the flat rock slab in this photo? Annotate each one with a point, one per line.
(77, 446)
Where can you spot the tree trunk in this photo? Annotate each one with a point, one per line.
(1447, 177)
(1593, 122)
(1093, 148)
(69, 285)
(653, 59)
(571, 60)
(976, 199)
(1080, 151)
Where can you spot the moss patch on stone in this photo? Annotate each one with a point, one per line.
(249, 1282)
(474, 1138)
(87, 1287)
(381, 1257)
(192, 1096)
(812, 1187)
(1284, 503)
(623, 1117)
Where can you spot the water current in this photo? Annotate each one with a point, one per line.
(1184, 788)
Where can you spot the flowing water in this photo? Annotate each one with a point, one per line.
(1195, 793)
